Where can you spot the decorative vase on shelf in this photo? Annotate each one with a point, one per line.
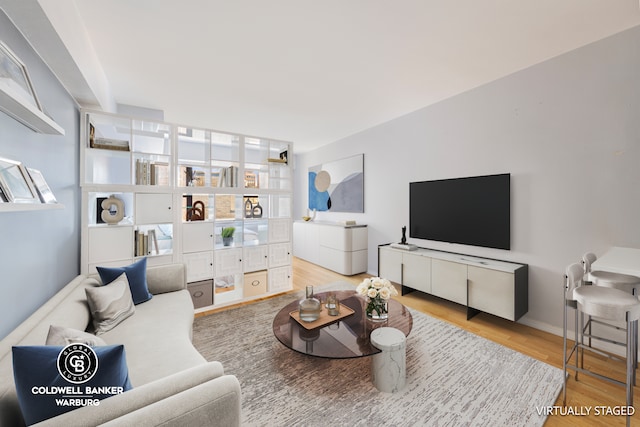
(310, 307)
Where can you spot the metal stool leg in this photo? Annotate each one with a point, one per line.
(576, 346)
(564, 354)
(631, 343)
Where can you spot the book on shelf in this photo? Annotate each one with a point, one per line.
(151, 173)
(146, 243)
(222, 178)
(109, 144)
(232, 176)
(228, 177)
(153, 239)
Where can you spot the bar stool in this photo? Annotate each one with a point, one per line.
(624, 282)
(606, 303)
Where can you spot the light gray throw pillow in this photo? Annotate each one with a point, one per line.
(59, 335)
(110, 304)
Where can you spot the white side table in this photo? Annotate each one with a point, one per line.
(388, 368)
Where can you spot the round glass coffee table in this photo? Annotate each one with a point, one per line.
(344, 338)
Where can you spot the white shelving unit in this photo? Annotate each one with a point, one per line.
(181, 186)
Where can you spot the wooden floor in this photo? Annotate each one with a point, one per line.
(587, 394)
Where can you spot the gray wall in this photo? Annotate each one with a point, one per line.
(568, 130)
(39, 251)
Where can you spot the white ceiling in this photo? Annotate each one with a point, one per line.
(313, 72)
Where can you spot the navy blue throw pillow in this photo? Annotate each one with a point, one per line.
(90, 375)
(136, 275)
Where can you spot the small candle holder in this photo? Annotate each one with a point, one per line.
(333, 305)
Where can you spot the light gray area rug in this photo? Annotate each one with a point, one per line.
(454, 378)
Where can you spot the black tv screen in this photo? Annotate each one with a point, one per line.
(470, 211)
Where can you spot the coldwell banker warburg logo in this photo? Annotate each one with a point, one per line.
(77, 363)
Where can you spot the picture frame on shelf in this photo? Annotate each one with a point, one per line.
(15, 78)
(43, 189)
(16, 183)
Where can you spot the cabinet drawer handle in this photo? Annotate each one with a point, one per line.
(255, 283)
(198, 294)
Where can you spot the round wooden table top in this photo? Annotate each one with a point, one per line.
(344, 338)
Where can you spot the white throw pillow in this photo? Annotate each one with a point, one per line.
(110, 304)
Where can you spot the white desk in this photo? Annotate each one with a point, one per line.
(619, 260)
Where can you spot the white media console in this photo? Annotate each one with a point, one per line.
(481, 284)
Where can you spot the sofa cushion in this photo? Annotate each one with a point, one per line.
(110, 304)
(137, 276)
(163, 325)
(36, 368)
(59, 335)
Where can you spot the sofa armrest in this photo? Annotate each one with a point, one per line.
(214, 403)
(140, 397)
(167, 278)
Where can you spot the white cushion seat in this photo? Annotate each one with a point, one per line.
(608, 303)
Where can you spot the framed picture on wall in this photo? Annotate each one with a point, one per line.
(14, 78)
(44, 192)
(16, 183)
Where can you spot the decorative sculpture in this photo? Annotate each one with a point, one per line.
(196, 213)
(112, 210)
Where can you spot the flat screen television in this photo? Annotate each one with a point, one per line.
(471, 211)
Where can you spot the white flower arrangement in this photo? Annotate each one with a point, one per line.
(378, 291)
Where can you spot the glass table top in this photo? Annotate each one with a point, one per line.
(345, 338)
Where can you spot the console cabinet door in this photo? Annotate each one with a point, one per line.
(199, 266)
(228, 262)
(305, 241)
(255, 258)
(492, 291)
(390, 265)
(153, 208)
(449, 280)
(417, 272)
(279, 255)
(279, 279)
(197, 236)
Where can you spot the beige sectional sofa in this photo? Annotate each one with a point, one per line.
(172, 383)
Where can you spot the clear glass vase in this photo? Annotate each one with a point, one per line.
(310, 307)
(377, 309)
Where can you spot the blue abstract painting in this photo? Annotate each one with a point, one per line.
(338, 186)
